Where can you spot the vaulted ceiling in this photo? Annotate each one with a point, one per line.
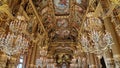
(60, 22)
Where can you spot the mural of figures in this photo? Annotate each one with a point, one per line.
(63, 23)
(61, 7)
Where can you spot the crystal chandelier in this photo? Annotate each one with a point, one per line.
(94, 39)
(13, 41)
(96, 42)
(18, 25)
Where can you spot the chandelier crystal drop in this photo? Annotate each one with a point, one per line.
(18, 25)
(13, 41)
(94, 39)
(12, 44)
(96, 42)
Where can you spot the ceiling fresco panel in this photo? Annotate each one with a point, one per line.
(61, 7)
(62, 22)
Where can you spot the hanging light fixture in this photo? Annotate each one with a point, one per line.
(94, 39)
(12, 44)
(14, 41)
(18, 25)
(96, 42)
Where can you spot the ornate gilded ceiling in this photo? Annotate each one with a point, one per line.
(55, 23)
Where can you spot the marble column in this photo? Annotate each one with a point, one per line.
(115, 47)
(3, 60)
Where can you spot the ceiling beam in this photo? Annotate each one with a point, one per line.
(5, 8)
(109, 12)
(38, 17)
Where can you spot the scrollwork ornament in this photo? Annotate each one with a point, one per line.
(5, 8)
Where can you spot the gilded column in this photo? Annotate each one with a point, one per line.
(3, 61)
(35, 55)
(28, 57)
(25, 59)
(32, 63)
(115, 46)
(92, 63)
(84, 61)
(97, 61)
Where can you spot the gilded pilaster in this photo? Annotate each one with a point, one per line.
(92, 63)
(97, 61)
(28, 58)
(115, 46)
(32, 64)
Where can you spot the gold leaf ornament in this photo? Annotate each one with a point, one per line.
(117, 2)
(5, 8)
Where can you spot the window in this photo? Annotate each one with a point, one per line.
(20, 64)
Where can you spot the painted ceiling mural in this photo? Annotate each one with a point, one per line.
(55, 28)
(61, 7)
(58, 20)
(63, 30)
(62, 22)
